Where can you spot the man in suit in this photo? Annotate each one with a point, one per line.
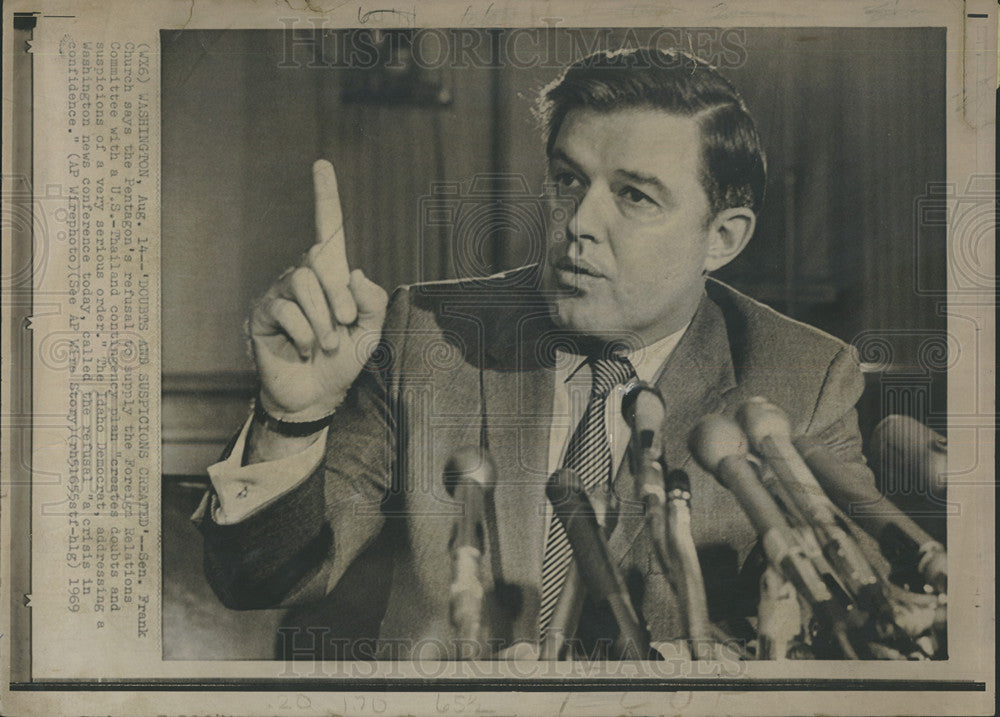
(659, 175)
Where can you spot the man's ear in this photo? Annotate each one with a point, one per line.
(728, 233)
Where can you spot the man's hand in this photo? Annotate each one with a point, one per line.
(318, 324)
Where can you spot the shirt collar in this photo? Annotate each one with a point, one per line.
(648, 361)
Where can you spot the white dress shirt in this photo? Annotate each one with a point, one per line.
(243, 490)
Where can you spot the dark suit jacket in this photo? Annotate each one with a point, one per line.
(473, 359)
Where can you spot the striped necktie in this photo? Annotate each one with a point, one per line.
(589, 455)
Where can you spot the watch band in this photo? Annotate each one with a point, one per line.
(293, 429)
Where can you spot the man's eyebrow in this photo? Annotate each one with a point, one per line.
(647, 179)
(563, 157)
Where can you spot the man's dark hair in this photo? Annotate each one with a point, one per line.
(733, 165)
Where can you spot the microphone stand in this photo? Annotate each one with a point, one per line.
(691, 582)
(468, 476)
(569, 606)
(592, 555)
(778, 616)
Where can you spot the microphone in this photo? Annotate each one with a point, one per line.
(778, 616)
(569, 605)
(803, 530)
(565, 616)
(643, 411)
(593, 558)
(720, 447)
(770, 435)
(668, 510)
(468, 476)
(907, 451)
(897, 533)
(691, 582)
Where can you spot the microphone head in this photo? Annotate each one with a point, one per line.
(469, 465)
(643, 407)
(762, 419)
(564, 489)
(715, 438)
(903, 431)
(904, 449)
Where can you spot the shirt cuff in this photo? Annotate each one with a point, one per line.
(243, 490)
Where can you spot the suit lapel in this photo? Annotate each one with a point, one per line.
(697, 375)
(519, 385)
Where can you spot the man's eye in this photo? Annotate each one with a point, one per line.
(566, 179)
(635, 196)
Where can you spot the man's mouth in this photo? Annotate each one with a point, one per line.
(570, 273)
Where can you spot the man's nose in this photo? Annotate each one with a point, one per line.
(587, 219)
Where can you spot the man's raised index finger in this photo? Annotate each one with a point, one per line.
(328, 256)
(329, 219)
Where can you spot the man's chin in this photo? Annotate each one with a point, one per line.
(572, 314)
